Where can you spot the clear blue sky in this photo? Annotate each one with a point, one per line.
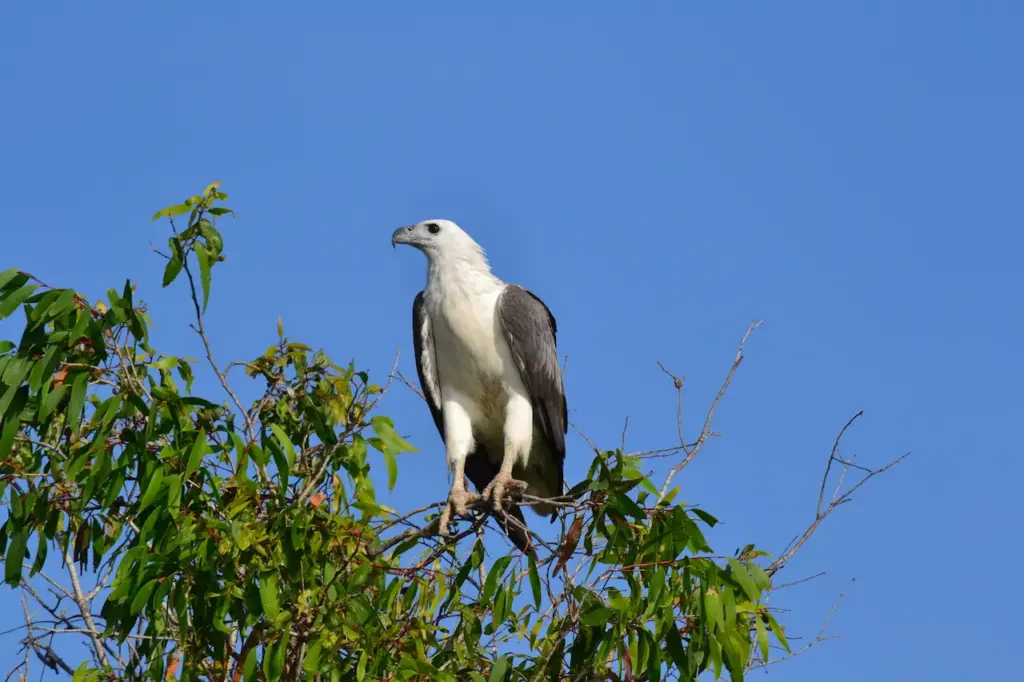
(660, 173)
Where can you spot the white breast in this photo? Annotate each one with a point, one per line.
(464, 332)
(472, 355)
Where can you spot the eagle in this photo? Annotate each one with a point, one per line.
(487, 362)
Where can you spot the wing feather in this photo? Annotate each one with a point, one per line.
(531, 332)
(426, 361)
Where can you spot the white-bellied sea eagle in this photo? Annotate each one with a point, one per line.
(488, 367)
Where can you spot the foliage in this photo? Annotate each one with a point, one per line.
(205, 540)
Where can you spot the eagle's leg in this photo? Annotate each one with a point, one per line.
(459, 498)
(458, 427)
(518, 436)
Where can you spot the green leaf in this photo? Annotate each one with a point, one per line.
(498, 670)
(213, 239)
(204, 274)
(78, 389)
(653, 657)
(392, 465)
(626, 505)
(199, 449)
(250, 666)
(172, 270)
(273, 659)
(733, 650)
(312, 662)
(705, 517)
(761, 578)
(385, 430)
(497, 570)
(281, 460)
(152, 489)
(15, 557)
(42, 307)
(599, 616)
(174, 487)
(284, 440)
(744, 579)
(165, 394)
(715, 657)
(535, 581)
(712, 610)
(762, 637)
(11, 423)
(7, 275)
(15, 385)
(777, 631)
(674, 645)
(50, 402)
(63, 303)
(142, 596)
(83, 673)
(268, 595)
(11, 303)
(654, 588)
(172, 211)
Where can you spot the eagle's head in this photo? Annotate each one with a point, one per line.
(439, 240)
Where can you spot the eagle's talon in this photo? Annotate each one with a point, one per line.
(458, 502)
(501, 487)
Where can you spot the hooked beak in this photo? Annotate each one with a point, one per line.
(402, 235)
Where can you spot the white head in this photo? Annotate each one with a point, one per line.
(443, 243)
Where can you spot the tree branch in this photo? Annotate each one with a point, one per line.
(838, 498)
(705, 432)
(84, 608)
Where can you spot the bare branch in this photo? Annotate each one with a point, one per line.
(83, 603)
(821, 637)
(832, 458)
(705, 432)
(412, 386)
(822, 511)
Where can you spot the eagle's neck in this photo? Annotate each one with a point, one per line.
(466, 273)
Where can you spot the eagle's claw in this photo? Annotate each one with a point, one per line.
(502, 484)
(458, 502)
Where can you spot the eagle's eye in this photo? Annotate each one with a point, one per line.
(434, 228)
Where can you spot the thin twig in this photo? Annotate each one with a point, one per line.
(201, 330)
(832, 458)
(776, 588)
(412, 387)
(823, 514)
(705, 431)
(84, 608)
(821, 637)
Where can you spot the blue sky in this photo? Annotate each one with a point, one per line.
(660, 174)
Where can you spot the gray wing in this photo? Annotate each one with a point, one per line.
(531, 332)
(426, 361)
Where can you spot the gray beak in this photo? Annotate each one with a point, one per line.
(402, 235)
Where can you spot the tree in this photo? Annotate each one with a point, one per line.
(180, 537)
